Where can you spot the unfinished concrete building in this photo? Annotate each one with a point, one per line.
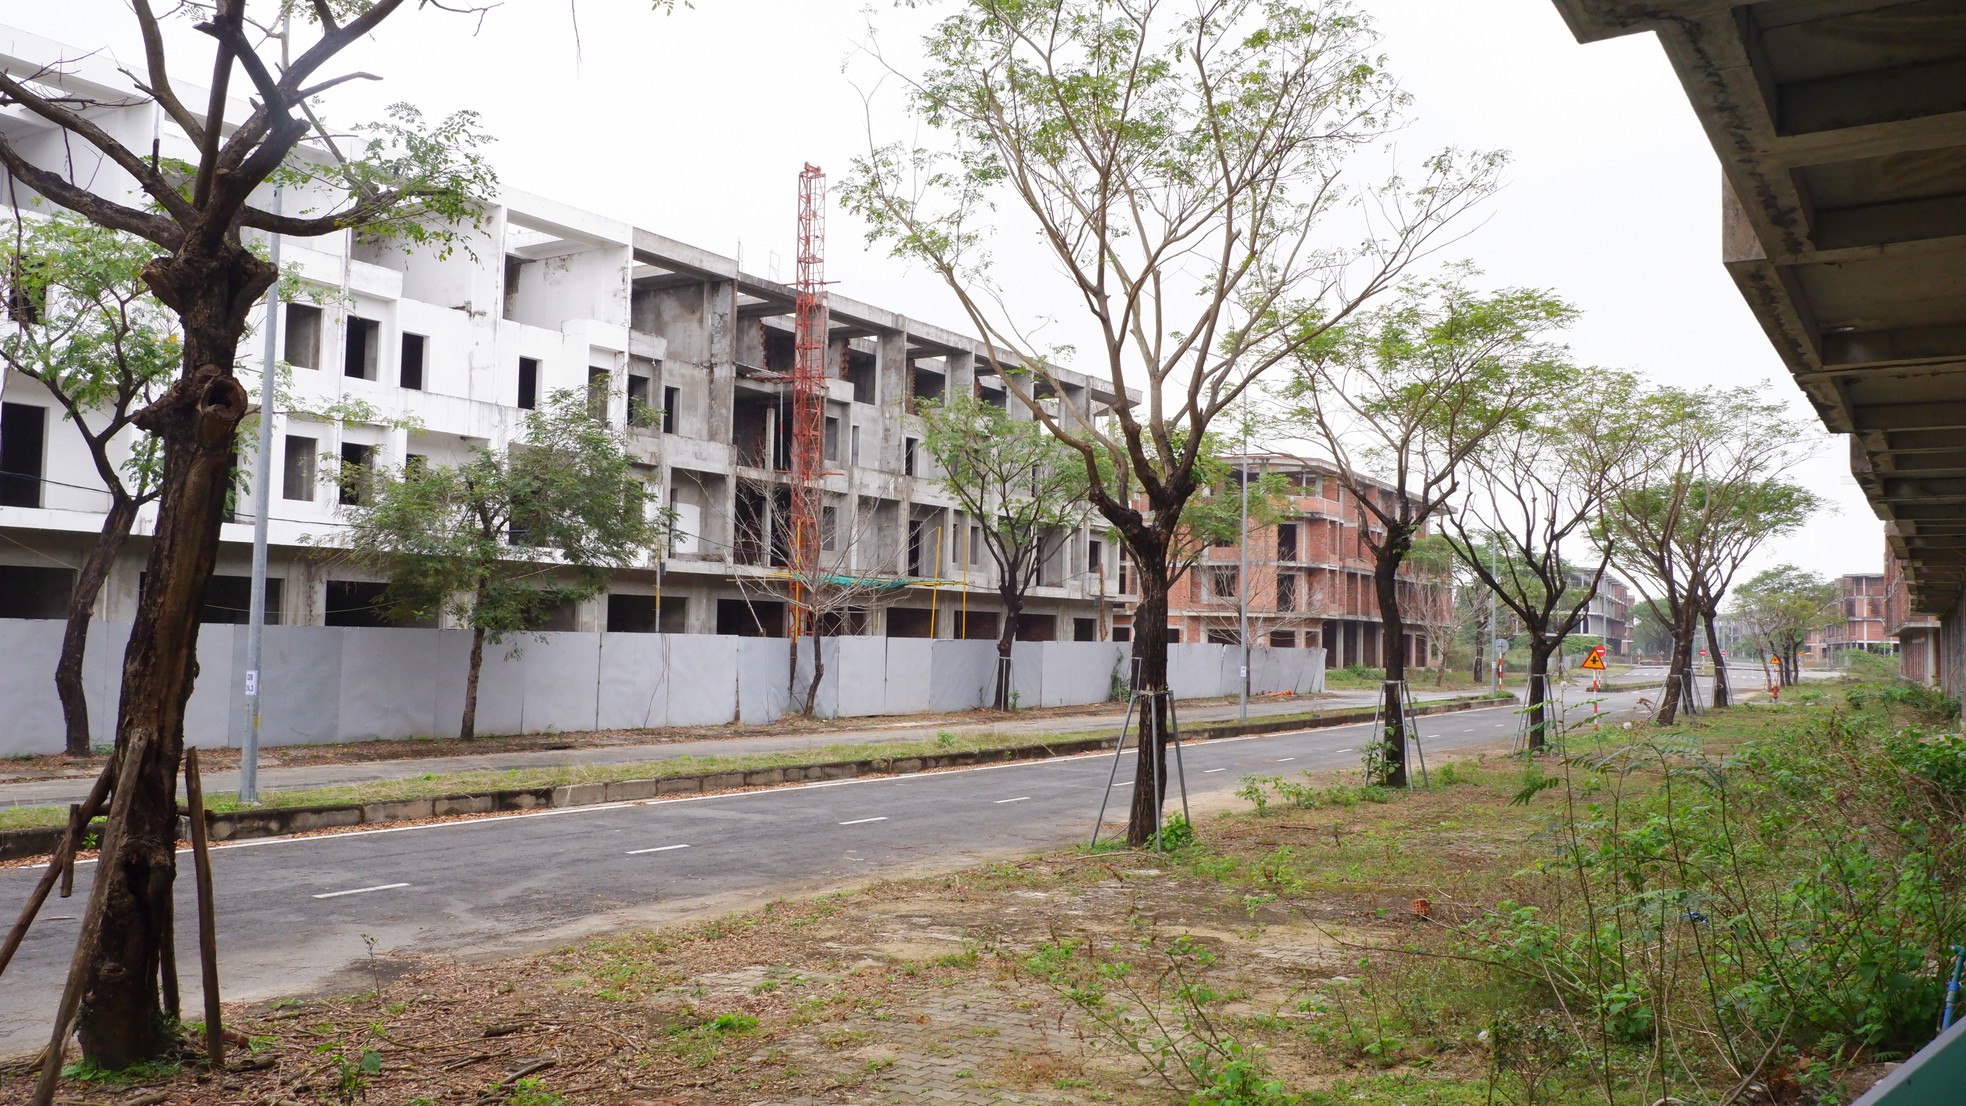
(402, 355)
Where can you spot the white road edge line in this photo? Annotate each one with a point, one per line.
(861, 821)
(657, 849)
(362, 890)
(595, 808)
(1018, 799)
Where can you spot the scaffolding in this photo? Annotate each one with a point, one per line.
(808, 382)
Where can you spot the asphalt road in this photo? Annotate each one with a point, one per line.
(293, 912)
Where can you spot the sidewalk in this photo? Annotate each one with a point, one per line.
(272, 777)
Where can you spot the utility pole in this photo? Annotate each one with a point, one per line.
(1494, 631)
(262, 503)
(1242, 577)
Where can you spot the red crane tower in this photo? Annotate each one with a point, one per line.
(808, 383)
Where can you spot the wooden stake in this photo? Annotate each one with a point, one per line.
(207, 927)
(60, 866)
(74, 838)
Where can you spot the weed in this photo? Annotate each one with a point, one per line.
(531, 1091)
(86, 1071)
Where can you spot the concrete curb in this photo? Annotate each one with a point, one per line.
(280, 821)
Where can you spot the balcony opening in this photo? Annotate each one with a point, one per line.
(411, 368)
(23, 449)
(364, 338)
(302, 349)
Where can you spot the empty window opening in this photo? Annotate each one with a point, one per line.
(35, 591)
(641, 401)
(1221, 637)
(1287, 591)
(358, 603)
(910, 622)
(917, 547)
(528, 382)
(1225, 581)
(1085, 629)
(228, 599)
(358, 360)
(600, 385)
(855, 437)
(297, 473)
(925, 386)
(303, 345)
(831, 443)
(860, 369)
(672, 399)
(357, 485)
(744, 618)
(631, 614)
(514, 267)
(976, 625)
(411, 375)
(23, 448)
(1037, 627)
(1286, 541)
(829, 528)
(908, 451)
(1283, 639)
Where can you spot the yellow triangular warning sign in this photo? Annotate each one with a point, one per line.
(1596, 660)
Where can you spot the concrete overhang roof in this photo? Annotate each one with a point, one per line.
(1841, 131)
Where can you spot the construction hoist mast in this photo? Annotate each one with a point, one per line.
(808, 389)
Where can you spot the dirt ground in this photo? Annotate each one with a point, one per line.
(953, 988)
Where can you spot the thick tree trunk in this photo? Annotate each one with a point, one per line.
(1013, 609)
(1721, 687)
(467, 728)
(81, 606)
(1679, 670)
(1150, 668)
(1392, 632)
(211, 287)
(1540, 723)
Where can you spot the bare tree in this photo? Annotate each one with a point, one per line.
(412, 179)
(1179, 164)
(856, 570)
(1535, 490)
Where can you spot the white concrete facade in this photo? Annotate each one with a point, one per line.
(445, 353)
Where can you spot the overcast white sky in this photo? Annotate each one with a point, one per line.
(696, 125)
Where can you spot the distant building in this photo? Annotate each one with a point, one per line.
(1860, 601)
(1916, 633)
(1609, 615)
(1310, 580)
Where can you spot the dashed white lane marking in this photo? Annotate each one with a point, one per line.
(657, 849)
(859, 821)
(1124, 783)
(1018, 799)
(721, 796)
(1206, 771)
(362, 890)
(1285, 760)
(1343, 750)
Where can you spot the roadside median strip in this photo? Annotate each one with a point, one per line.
(879, 760)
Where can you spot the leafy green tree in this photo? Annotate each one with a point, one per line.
(500, 540)
(1701, 491)
(87, 329)
(1022, 487)
(404, 177)
(1780, 607)
(1406, 397)
(1534, 489)
(1182, 167)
